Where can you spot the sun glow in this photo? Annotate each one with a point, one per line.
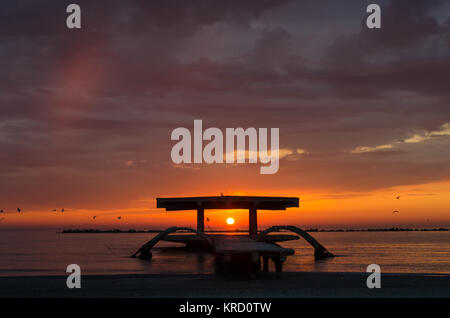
(230, 221)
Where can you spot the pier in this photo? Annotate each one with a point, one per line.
(235, 252)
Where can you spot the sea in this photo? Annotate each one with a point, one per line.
(48, 253)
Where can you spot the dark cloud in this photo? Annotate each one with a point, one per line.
(77, 105)
(45, 18)
(405, 24)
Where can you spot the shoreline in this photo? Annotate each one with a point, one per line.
(289, 285)
(98, 231)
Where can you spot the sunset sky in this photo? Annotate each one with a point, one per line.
(86, 115)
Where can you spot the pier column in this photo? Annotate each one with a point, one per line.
(252, 222)
(278, 260)
(278, 266)
(266, 263)
(200, 220)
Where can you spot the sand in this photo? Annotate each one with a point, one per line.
(194, 286)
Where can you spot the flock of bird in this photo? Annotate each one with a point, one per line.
(120, 218)
(19, 210)
(396, 211)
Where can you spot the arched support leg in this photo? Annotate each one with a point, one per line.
(145, 254)
(320, 251)
(144, 251)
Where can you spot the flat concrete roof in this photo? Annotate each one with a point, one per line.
(227, 202)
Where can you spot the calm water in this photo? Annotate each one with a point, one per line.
(49, 253)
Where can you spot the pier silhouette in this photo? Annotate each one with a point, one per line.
(235, 252)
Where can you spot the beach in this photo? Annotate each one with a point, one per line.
(289, 285)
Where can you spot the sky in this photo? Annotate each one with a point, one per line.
(86, 115)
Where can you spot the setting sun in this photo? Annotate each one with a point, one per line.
(230, 221)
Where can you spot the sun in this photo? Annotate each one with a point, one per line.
(230, 221)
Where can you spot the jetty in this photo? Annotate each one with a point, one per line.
(234, 252)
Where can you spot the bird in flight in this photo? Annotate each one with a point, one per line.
(18, 210)
(395, 211)
(119, 217)
(398, 197)
(94, 217)
(54, 210)
(207, 219)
